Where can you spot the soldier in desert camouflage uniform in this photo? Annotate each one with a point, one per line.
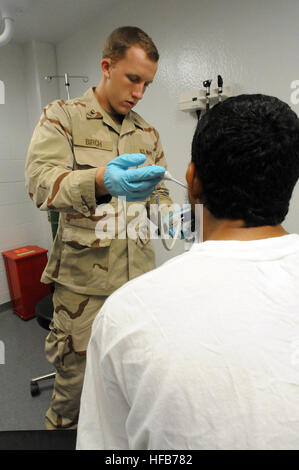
(66, 164)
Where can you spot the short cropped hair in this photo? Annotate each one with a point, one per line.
(246, 153)
(121, 39)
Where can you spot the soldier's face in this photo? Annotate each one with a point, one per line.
(127, 80)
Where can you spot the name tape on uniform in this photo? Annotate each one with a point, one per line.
(94, 143)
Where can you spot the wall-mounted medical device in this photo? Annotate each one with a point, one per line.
(204, 98)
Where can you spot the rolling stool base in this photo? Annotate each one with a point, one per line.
(34, 387)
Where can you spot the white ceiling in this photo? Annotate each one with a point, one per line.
(51, 20)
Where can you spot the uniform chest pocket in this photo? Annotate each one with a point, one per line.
(92, 152)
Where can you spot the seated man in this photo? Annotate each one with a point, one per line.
(202, 353)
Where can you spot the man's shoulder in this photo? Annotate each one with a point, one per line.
(133, 304)
(144, 282)
(70, 106)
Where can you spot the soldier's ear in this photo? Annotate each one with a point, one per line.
(106, 67)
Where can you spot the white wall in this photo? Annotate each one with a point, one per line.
(21, 223)
(253, 45)
(40, 61)
(16, 212)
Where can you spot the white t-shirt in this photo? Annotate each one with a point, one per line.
(201, 353)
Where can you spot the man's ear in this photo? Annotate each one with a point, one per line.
(106, 67)
(194, 183)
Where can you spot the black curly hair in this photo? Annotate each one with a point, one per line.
(246, 153)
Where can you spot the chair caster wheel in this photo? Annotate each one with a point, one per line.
(34, 389)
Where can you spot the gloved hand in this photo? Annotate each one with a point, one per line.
(136, 184)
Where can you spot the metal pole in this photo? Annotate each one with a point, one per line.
(67, 85)
(67, 77)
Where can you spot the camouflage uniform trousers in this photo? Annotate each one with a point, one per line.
(65, 349)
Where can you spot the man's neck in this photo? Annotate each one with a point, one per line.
(100, 96)
(215, 229)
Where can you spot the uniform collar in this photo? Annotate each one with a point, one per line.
(95, 111)
(93, 108)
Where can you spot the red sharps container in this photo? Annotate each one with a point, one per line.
(24, 267)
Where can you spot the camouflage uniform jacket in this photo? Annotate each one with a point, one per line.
(72, 139)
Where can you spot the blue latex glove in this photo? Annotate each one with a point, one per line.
(136, 184)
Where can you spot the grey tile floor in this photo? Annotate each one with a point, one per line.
(24, 359)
